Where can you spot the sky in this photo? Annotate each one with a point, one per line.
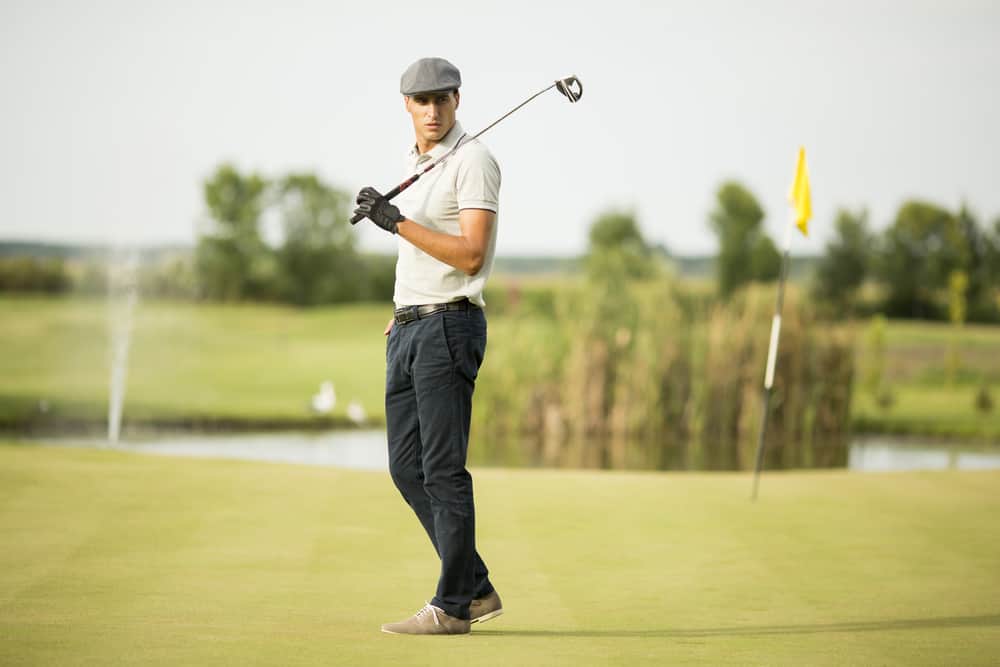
(112, 114)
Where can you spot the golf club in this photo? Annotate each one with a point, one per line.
(570, 87)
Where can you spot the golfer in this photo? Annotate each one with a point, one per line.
(446, 224)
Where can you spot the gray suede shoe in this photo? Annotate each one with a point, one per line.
(485, 608)
(430, 620)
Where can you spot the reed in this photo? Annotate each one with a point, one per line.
(638, 376)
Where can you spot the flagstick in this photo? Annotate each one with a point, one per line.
(772, 351)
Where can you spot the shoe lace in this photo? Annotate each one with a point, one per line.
(429, 608)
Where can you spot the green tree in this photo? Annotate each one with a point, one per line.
(745, 251)
(617, 248)
(845, 262)
(617, 255)
(765, 260)
(982, 266)
(317, 261)
(993, 255)
(919, 252)
(231, 260)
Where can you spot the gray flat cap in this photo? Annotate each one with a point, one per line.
(429, 75)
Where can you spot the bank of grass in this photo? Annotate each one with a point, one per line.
(937, 411)
(120, 558)
(258, 365)
(189, 363)
(933, 373)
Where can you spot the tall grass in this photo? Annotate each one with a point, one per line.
(630, 375)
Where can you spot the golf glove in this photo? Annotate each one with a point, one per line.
(377, 208)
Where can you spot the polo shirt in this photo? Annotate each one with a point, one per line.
(468, 179)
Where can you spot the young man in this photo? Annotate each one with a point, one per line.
(437, 338)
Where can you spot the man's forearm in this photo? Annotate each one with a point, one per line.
(457, 251)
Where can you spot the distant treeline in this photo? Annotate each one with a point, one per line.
(168, 271)
(84, 251)
(929, 262)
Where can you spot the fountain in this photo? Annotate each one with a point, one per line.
(123, 292)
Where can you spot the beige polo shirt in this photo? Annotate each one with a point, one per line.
(468, 179)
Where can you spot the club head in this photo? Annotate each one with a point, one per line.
(566, 87)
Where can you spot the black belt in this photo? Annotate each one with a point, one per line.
(410, 313)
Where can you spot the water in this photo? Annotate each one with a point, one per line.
(366, 450)
(880, 454)
(359, 450)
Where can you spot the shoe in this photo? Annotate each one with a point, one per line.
(430, 620)
(485, 608)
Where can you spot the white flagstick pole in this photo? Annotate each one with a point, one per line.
(772, 350)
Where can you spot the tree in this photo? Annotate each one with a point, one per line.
(618, 249)
(981, 267)
(845, 262)
(317, 261)
(919, 252)
(745, 252)
(617, 255)
(765, 260)
(993, 254)
(231, 260)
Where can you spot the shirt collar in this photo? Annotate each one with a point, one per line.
(448, 142)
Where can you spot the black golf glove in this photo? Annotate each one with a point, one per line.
(377, 208)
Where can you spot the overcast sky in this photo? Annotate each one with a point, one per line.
(113, 113)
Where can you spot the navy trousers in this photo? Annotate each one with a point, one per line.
(431, 369)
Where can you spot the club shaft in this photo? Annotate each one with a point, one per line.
(413, 179)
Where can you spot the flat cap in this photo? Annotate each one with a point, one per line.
(429, 75)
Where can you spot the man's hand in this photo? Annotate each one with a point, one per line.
(388, 327)
(377, 208)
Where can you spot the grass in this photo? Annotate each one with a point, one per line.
(119, 558)
(190, 361)
(916, 352)
(940, 411)
(259, 365)
(927, 398)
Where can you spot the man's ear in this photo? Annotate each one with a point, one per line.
(406, 102)
(456, 98)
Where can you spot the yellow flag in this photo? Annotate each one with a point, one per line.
(799, 195)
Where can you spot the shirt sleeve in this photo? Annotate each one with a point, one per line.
(477, 184)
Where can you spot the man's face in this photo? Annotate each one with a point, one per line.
(433, 114)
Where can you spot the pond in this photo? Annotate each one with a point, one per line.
(887, 453)
(366, 450)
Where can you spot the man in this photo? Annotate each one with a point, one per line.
(437, 339)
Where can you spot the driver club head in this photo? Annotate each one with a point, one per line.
(566, 87)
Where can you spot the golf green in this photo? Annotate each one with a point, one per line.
(117, 558)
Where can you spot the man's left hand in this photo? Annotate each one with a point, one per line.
(377, 208)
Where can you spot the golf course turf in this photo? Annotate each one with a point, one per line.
(118, 558)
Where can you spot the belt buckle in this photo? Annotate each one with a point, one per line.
(405, 315)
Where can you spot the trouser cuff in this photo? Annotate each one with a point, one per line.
(483, 590)
(453, 610)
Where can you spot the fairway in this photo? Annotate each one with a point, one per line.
(117, 558)
(189, 363)
(258, 365)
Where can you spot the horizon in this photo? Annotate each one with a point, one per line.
(167, 245)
